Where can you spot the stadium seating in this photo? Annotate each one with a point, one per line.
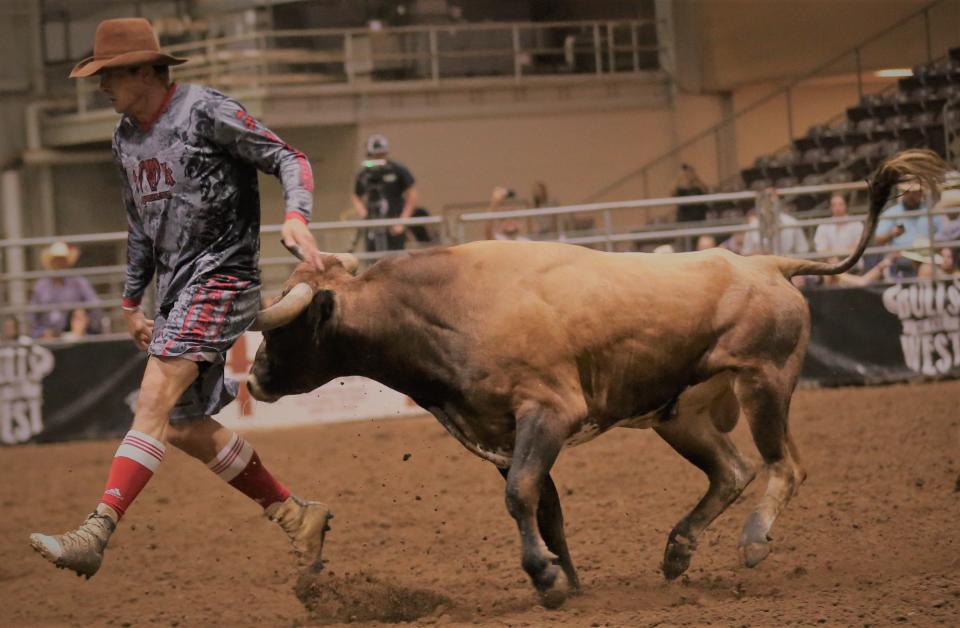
(909, 115)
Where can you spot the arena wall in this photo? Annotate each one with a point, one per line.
(724, 45)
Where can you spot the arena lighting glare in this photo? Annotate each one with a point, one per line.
(894, 73)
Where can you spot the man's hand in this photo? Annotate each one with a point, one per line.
(499, 195)
(397, 229)
(140, 328)
(295, 233)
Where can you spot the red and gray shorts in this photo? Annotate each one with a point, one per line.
(203, 323)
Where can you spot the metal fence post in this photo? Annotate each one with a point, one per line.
(611, 52)
(517, 66)
(608, 229)
(789, 115)
(11, 209)
(856, 53)
(348, 65)
(597, 48)
(434, 55)
(635, 46)
(262, 66)
(718, 154)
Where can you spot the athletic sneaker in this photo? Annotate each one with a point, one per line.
(80, 550)
(306, 523)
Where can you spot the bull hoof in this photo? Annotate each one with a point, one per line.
(675, 566)
(753, 554)
(676, 558)
(554, 596)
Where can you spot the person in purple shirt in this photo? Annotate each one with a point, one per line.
(55, 290)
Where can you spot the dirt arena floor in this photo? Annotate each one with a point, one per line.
(873, 538)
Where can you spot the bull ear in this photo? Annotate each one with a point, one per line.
(322, 308)
(350, 262)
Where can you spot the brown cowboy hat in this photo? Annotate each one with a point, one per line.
(123, 42)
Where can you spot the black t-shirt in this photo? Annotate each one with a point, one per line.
(381, 184)
(691, 213)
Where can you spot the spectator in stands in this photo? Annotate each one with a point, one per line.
(11, 331)
(949, 231)
(705, 242)
(837, 237)
(734, 243)
(950, 199)
(846, 280)
(423, 235)
(53, 290)
(689, 184)
(547, 225)
(898, 230)
(541, 197)
(506, 229)
(384, 189)
(792, 239)
(77, 326)
(948, 264)
(917, 261)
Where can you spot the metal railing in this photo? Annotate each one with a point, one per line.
(611, 235)
(853, 61)
(363, 59)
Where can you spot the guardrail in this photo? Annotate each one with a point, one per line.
(608, 236)
(364, 59)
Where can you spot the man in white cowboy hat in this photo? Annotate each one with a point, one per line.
(59, 290)
(188, 156)
(920, 253)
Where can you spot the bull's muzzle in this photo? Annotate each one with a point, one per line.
(257, 392)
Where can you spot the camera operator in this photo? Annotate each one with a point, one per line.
(384, 189)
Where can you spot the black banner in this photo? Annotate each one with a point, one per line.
(884, 333)
(67, 392)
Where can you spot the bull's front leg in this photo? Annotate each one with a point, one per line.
(550, 522)
(538, 442)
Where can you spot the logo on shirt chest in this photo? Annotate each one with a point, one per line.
(153, 180)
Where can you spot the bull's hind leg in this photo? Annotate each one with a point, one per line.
(764, 395)
(696, 438)
(550, 524)
(538, 442)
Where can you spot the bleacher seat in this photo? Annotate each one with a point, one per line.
(813, 155)
(881, 124)
(840, 153)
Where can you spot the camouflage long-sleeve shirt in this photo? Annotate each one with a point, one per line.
(191, 193)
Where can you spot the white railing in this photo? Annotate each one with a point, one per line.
(363, 59)
(608, 236)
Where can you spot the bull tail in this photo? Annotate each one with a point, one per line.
(921, 165)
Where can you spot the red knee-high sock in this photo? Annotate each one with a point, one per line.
(136, 459)
(239, 466)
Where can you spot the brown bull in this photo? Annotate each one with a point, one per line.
(519, 349)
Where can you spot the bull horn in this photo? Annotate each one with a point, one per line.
(350, 262)
(284, 310)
